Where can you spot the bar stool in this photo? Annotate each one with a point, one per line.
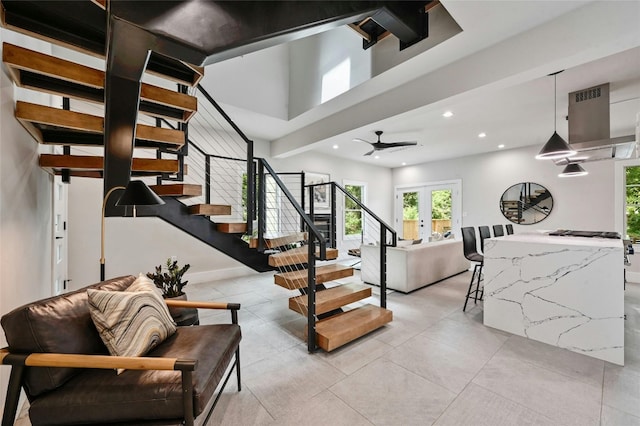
(484, 234)
(471, 253)
(498, 231)
(509, 228)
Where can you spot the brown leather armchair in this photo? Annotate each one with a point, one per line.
(58, 358)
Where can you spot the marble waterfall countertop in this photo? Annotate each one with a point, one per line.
(562, 290)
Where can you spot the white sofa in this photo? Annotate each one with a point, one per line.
(415, 266)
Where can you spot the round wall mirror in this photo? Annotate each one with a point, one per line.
(526, 203)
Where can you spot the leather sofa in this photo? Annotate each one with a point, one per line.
(414, 266)
(59, 359)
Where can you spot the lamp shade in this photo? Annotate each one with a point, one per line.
(573, 169)
(137, 193)
(556, 147)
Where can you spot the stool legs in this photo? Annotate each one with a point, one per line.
(477, 269)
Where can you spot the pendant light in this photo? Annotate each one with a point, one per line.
(572, 170)
(556, 147)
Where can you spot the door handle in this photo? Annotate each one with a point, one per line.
(59, 238)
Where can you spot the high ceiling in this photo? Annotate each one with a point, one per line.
(492, 76)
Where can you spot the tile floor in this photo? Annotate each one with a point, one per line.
(433, 365)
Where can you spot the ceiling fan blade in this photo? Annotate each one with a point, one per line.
(406, 143)
(370, 152)
(362, 140)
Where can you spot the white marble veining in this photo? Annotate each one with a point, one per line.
(564, 291)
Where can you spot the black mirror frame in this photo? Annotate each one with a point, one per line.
(500, 203)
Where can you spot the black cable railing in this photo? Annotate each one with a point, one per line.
(314, 239)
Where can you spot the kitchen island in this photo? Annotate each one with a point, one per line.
(562, 290)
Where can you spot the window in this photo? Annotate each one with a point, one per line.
(632, 205)
(353, 214)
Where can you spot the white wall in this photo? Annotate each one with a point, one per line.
(25, 205)
(582, 203)
(312, 57)
(133, 245)
(258, 81)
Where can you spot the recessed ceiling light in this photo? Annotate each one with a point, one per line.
(482, 135)
(404, 164)
(447, 114)
(336, 147)
(501, 146)
(376, 157)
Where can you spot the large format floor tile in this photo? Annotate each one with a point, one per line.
(614, 417)
(477, 406)
(622, 389)
(563, 399)
(387, 394)
(556, 359)
(437, 362)
(285, 381)
(323, 409)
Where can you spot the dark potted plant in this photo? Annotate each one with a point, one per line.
(170, 283)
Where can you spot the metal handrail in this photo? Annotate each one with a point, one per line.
(315, 235)
(385, 228)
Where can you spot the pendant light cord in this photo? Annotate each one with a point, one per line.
(555, 102)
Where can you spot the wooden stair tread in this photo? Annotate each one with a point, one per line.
(297, 256)
(337, 330)
(55, 163)
(49, 125)
(210, 210)
(331, 298)
(325, 273)
(177, 190)
(280, 240)
(49, 74)
(53, 32)
(232, 227)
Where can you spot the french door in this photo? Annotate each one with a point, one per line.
(428, 209)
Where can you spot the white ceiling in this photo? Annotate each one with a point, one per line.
(492, 76)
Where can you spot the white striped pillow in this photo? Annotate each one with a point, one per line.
(130, 323)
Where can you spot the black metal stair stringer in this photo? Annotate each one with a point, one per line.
(201, 228)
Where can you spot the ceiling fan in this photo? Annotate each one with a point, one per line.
(379, 146)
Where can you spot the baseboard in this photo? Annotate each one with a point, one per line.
(219, 274)
(633, 277)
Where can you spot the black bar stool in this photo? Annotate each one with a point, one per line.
(484, 234)
(509, 228)
(471, 253)
(498, 231)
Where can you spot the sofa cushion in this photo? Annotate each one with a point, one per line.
(58, 324)
(131, 322)
(102, 396)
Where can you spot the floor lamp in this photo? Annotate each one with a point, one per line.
(136, 193)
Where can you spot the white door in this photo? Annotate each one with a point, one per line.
(423, 211)
(59, 252)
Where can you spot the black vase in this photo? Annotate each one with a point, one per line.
(183, 316)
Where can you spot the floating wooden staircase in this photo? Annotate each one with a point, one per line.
(38, 71)
(335, 326)
(49, 125)
(338, 322)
